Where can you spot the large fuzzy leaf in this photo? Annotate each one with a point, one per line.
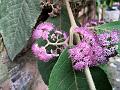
(64, 77)
(17, 19)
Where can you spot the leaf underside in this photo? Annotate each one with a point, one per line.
(17, 19)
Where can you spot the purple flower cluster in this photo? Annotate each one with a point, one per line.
(42, 30)
(41, 53)
(109, 38)
(93, 49)
(54, 37)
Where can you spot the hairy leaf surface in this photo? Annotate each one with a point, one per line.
(17, 20)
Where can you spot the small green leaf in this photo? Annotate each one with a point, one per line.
(54, 1)
(45, 69)
(62, 21)
(41, 42)
(65, 21)
(118, 50)
(108, 26)
(64, 77)
(103, 67)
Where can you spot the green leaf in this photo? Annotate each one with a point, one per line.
(18, 19)
(118, 50)
(105, 68)
(62, 21)
(41, 42)
(45, 69)
(3, 68)
(54, 1)
(65, 21)
(108, 26)
(100, 77)
(64, 77)
(3, 8)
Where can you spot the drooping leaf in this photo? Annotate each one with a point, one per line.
(17, 24)
(108, 26)
(45, 69)
(62, 21)
(64, 77)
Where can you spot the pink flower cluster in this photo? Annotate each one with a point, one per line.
(50, 34)
(41, 53)
(109, 38)
(93, 49)
(42, 30)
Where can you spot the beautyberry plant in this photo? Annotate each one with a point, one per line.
(93, 49)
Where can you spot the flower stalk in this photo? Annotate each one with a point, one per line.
(54, 37)
(73, 25)
(56, 43)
